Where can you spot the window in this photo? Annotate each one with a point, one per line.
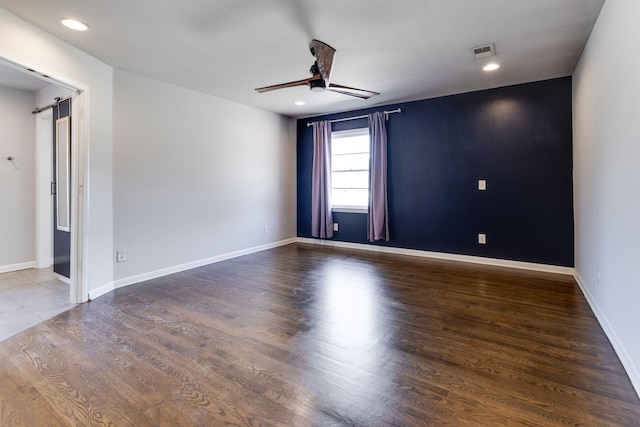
(350, 169)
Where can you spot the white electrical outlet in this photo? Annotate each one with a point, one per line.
(121, 256)
(266, 229)
(335, 226)
(482, 238)
(482, 184)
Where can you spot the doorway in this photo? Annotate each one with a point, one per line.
(45, 130)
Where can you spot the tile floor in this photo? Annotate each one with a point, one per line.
(28, 297)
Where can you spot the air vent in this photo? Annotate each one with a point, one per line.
(484, 51)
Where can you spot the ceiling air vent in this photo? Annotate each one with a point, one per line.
(484, 51)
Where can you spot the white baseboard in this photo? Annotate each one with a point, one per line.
(16, 267)
(45, 264)
(444, 256)
(98, 292)
(63, 279)
(625, 358)
(188, 266)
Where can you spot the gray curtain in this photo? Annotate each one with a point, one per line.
(378, 217)
(321, 220)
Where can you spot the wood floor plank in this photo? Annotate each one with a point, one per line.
(310, 336)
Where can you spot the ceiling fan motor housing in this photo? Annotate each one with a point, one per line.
(314, 69)
(317, 85)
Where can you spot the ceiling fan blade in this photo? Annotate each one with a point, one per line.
(352, 91)
(324, 56)
(285, 85)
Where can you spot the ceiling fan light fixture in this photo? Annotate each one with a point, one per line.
(74, 25)
(491, 67)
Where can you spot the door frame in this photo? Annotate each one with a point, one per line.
(79, 284)
(79, 289)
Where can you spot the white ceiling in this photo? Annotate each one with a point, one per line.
(404, 49)
(14, 77)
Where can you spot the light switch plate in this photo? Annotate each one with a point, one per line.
(482, 184)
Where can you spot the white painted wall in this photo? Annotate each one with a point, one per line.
(17, 179)
(28, 45)
(607, 177)
(47, 95)
(42, 194)
(196, 176)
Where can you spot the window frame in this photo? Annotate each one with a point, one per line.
(359, 131)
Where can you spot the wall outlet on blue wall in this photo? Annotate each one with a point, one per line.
(335, 226)
(482, 238)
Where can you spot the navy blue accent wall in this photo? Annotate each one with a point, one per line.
(518, 138)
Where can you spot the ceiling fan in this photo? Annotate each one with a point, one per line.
(320, 79)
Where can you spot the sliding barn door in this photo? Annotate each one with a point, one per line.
(62, 188)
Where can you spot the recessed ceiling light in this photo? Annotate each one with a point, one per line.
(491, 67)
(74, 25)
(299, 103)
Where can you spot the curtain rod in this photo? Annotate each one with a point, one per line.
(386, 113)
(53, 104)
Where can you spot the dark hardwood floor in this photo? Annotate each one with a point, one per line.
(303, 335)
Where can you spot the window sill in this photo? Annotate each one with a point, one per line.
(348, 209)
